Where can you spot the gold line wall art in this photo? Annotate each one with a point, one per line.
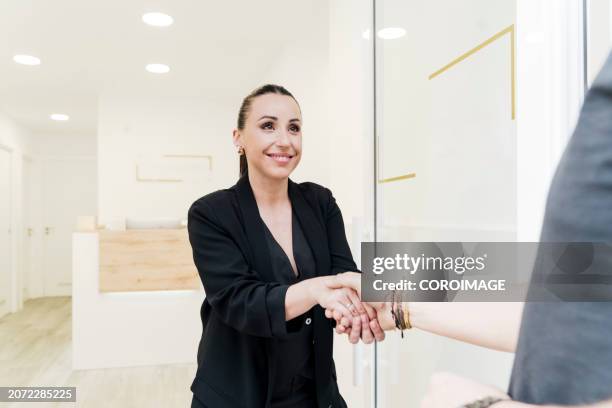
(398, 178)
(507, 31)
(154, 170)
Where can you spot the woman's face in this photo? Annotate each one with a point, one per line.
(272, 135)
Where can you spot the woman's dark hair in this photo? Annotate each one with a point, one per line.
(246, 106)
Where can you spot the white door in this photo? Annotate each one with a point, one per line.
(29, 256)
(5, 231)
(69, 190)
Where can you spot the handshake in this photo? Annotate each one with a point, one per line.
(340, 296)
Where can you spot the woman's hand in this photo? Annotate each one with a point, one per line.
(365, 328)
(361, 325)
(349, 280)
(379, 311)
(380, 320)
(448, 390)
(342, 300)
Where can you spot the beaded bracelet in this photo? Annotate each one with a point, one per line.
(400, 317)
(395, 314)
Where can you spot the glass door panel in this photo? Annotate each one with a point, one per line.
(447, 159)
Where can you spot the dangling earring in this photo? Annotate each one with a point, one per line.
(240, 150)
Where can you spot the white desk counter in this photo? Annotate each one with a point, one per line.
(128, 328)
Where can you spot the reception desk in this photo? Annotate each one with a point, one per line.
(143, 260)
(149, 313)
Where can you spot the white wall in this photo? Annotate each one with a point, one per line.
(16, 139)
(64, 144)
(135, 128)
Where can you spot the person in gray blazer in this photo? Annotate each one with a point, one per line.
(564, 353)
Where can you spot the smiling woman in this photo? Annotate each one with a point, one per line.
(265, 249)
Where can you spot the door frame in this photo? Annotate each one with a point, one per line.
(11, 300)
(27, 218)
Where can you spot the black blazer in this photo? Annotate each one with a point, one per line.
(243, 314)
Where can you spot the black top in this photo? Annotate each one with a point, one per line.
(564, 352)
(243, 314)
(294, 380)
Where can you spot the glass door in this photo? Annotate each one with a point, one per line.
(350, 133)
(447, 159)
(474, 103)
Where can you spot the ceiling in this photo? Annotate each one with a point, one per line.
(87, 47)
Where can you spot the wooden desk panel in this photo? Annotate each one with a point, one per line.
(143, 260)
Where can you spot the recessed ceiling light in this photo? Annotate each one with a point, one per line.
(158, 68)
(59, 117)
(366, 34)
(26, 60)
(391, 33)
(157, 19)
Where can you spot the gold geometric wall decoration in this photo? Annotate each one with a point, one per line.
(507, 31)
(398, 178)
(140, 178)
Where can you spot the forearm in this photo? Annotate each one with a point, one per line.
(491, 325)
(302, 296)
